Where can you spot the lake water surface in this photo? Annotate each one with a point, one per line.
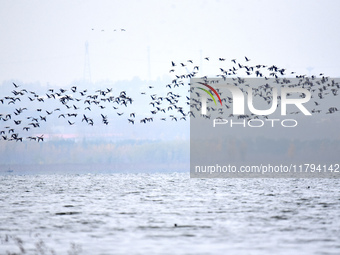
(167, 214)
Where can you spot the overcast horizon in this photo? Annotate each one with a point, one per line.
(44, 41)
(139, 47)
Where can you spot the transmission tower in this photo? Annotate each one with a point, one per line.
(87, 70)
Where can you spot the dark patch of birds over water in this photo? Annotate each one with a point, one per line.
(171, 105)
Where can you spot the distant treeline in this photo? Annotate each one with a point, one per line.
(261, 149)
(66, 151)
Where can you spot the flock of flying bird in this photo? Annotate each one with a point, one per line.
(114, 30)
(28, 110)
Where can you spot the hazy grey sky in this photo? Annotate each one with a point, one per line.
(44, 40)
